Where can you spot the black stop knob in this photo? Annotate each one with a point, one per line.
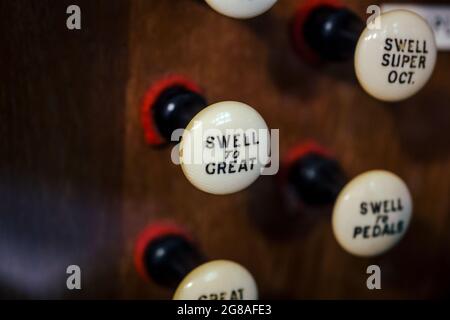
(317, 179)
(169, 104)
(333, 33)
(165, 254)
(325, 30)
(170, 258)
(175, 108)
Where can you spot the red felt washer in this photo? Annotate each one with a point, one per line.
(151, 233)
(298, 37)
(299, 151)
(152, 136)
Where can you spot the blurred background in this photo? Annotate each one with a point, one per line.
(78, 182)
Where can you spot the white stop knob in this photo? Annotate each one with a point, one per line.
(394, 60)
(223, 149)
(372, 213)
(218, 280)
(241, 9)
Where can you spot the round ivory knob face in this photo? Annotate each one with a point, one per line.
(395, 61)
(372, 213)
(223, 149)
(218, 280)
(241, 9)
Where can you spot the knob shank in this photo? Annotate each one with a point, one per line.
(333, 33)
(170, 258)
(175, 108)
(317, 179)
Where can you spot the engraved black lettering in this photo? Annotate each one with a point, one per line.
(405, 60)
(224, 142)
(399, 204)
(413, 64)
(376, 231)
(210, 168)
(243, 166)
(400, 44)
(411, 46)
(246, 141)
(231, 168)
(375, 206)
(210, 142)
(422, 62)
(357, 231)
(392, 77)
(388, 44)
(386, 206)
(385, 61)
(255, 138)
(363, 208)
(236, 141)
(366, 232)
(221, 167)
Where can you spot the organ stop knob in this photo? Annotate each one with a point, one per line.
(241, 9)
(166, 254)
(393, 60)
(314, 175)
(371, 212)
(223, 146)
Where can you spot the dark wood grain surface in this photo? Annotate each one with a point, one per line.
(62, 127)
(78, 182)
